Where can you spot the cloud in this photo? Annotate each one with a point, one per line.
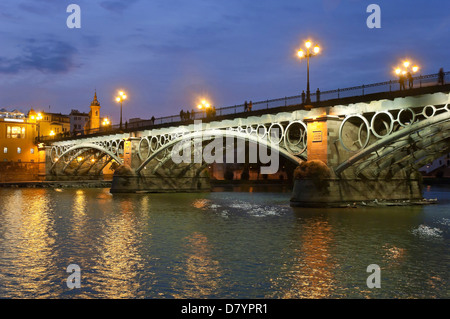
(117, 6)
(51, 56)
(40, 7)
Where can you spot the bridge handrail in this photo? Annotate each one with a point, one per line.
(293, 100)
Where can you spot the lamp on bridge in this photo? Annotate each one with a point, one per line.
(120, 99)
(203, 105)
(301, 54)
(106, 122)
(405, 71)
(38, 119)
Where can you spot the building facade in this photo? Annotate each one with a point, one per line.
(94, 122)
(19, 153)
(78, 121)
(50, 124)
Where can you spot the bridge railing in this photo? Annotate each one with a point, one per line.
(336, 94)
(361, 90)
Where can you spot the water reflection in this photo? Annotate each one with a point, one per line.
(79, 213)
(179, 245)
(202, 271)
(120, 264)
(309, 273)
(27, 244)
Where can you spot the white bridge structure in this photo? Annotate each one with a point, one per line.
(347, 151)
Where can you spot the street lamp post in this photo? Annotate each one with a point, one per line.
(38, 119)
(403, 72)
(106, 123)
(120, 99)
(307, 55)
(204, 105)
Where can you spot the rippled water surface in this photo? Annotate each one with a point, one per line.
(217, 245)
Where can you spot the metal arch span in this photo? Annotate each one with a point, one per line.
(218, 133)
(91, 146)
(393, 138)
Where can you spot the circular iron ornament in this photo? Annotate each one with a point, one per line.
(154, 142)
(250, 130)
(161, 140)
(303, 138)
(54, 154)
(280, 136)
(401, 113)
(261, 128)
(114, 147)
(427, 109)
(120, 147)
(140, 148)
(388, 127)
(363, 122)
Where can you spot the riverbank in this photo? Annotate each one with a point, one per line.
(57, 184)
(216, 184)
(436, 180)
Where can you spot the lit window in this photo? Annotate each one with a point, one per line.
(32, 150)
(15, 132)
(19, 150)
(5, 150)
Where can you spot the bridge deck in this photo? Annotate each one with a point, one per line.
(145, 125)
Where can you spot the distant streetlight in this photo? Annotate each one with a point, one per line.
(120, 99)
(203, 105)
(106, 122)
(301, 54)
(406, 68)
(39, 118)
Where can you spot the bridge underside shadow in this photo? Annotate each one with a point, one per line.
(85, 161)
(166, 178)
(185, 170)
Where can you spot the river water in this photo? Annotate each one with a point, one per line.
(238, 243)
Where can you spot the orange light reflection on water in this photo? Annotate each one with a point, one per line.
(202, 271)
(29, 238)
(311, 270)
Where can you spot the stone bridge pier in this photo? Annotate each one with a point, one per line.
(372, 152)
(318, 183)
(158, 175)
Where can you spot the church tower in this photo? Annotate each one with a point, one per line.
(94, 114)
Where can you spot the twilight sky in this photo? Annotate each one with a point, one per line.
(168, 54)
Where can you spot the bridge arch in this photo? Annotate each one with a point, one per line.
(81, 147)
(407, 146)
(255, 138)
